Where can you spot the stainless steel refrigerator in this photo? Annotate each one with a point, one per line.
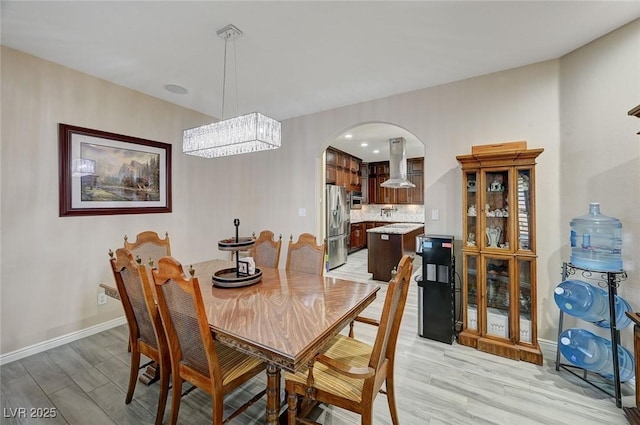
(337, 225)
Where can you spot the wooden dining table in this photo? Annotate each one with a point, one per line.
(285, 319)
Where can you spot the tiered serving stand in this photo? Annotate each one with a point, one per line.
(233, 277)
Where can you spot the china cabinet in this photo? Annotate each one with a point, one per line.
(499, 251)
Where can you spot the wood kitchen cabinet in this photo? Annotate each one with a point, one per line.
(379, 172)
(358, 237)
(343, 169)
(386, 247)
(499, 251)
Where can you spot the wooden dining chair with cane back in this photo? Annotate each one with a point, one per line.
(149, 247)
(305, 255)
(350, 373)
(266, 251)
(195, 356)
(146, 333)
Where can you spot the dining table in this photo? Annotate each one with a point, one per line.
(285, 319)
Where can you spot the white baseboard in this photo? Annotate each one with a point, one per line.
(548, 345)
(61, 340)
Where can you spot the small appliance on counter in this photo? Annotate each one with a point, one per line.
(436, 288)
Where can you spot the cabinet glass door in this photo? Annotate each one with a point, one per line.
(471, 234)
(497, 275)
(496, 209)
(471, 283)
(524, 210)
(525, 268)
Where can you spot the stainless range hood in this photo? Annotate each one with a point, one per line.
(397, 166)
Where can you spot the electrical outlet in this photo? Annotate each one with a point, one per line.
(102, 298)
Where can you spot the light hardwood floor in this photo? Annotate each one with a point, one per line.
(436, 383)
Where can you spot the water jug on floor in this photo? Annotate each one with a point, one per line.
(590, 303)
(594, 353)
(596, 241)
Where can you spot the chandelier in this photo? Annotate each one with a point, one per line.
(243, 134)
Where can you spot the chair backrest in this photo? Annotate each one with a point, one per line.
(185, 321)
(266, 251)
(384, 346)
(305, 255)
(137, 298)
(148, 247)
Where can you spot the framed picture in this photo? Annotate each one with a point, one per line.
(243, 268)
(105, 173)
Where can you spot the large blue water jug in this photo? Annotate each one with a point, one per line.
(594, 353)
(596, 241)
(590, 303)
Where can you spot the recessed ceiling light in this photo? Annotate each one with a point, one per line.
(174, 88)
(376, 151)
(348, 136)
(364, 144)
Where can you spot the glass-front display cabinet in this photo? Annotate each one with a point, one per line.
(499, 254)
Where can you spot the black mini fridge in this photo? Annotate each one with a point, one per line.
(436, 289)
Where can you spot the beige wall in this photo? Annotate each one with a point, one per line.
(599, 153)
(51, 266)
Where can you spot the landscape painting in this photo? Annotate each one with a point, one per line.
(120, 174)
(105, 173)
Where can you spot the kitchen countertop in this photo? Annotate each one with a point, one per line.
(396, 228)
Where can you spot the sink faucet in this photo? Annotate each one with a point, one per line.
(387, 211)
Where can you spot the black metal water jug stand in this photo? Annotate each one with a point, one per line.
(237, 276)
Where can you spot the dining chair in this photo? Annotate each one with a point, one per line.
(305, 255)
(146, 333)
(349, 373)
(266, 251)
(148, 247)
(195, 357)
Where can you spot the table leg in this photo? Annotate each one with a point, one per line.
(273, 394)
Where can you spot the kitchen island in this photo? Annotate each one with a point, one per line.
(387, 244)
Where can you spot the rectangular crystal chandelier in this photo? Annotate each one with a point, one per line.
(244, 134)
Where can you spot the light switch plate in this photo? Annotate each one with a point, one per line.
(435, 214)
(302, 212)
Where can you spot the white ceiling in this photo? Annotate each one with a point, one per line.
(300, 57)
(376, 136)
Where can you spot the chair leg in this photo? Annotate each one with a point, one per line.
(133, 373)
(366, 417)
(176, 394)
(391, 399)
(217, 409)
(292, 401)
(164, 391)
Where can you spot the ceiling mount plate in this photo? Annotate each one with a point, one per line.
(230, 32)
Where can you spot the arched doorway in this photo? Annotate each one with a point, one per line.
(369, 144)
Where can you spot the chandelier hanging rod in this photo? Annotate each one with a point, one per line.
(229, 33)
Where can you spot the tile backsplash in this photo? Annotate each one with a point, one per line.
(398, 213)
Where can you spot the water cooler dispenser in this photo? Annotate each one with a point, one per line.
(436, 288)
